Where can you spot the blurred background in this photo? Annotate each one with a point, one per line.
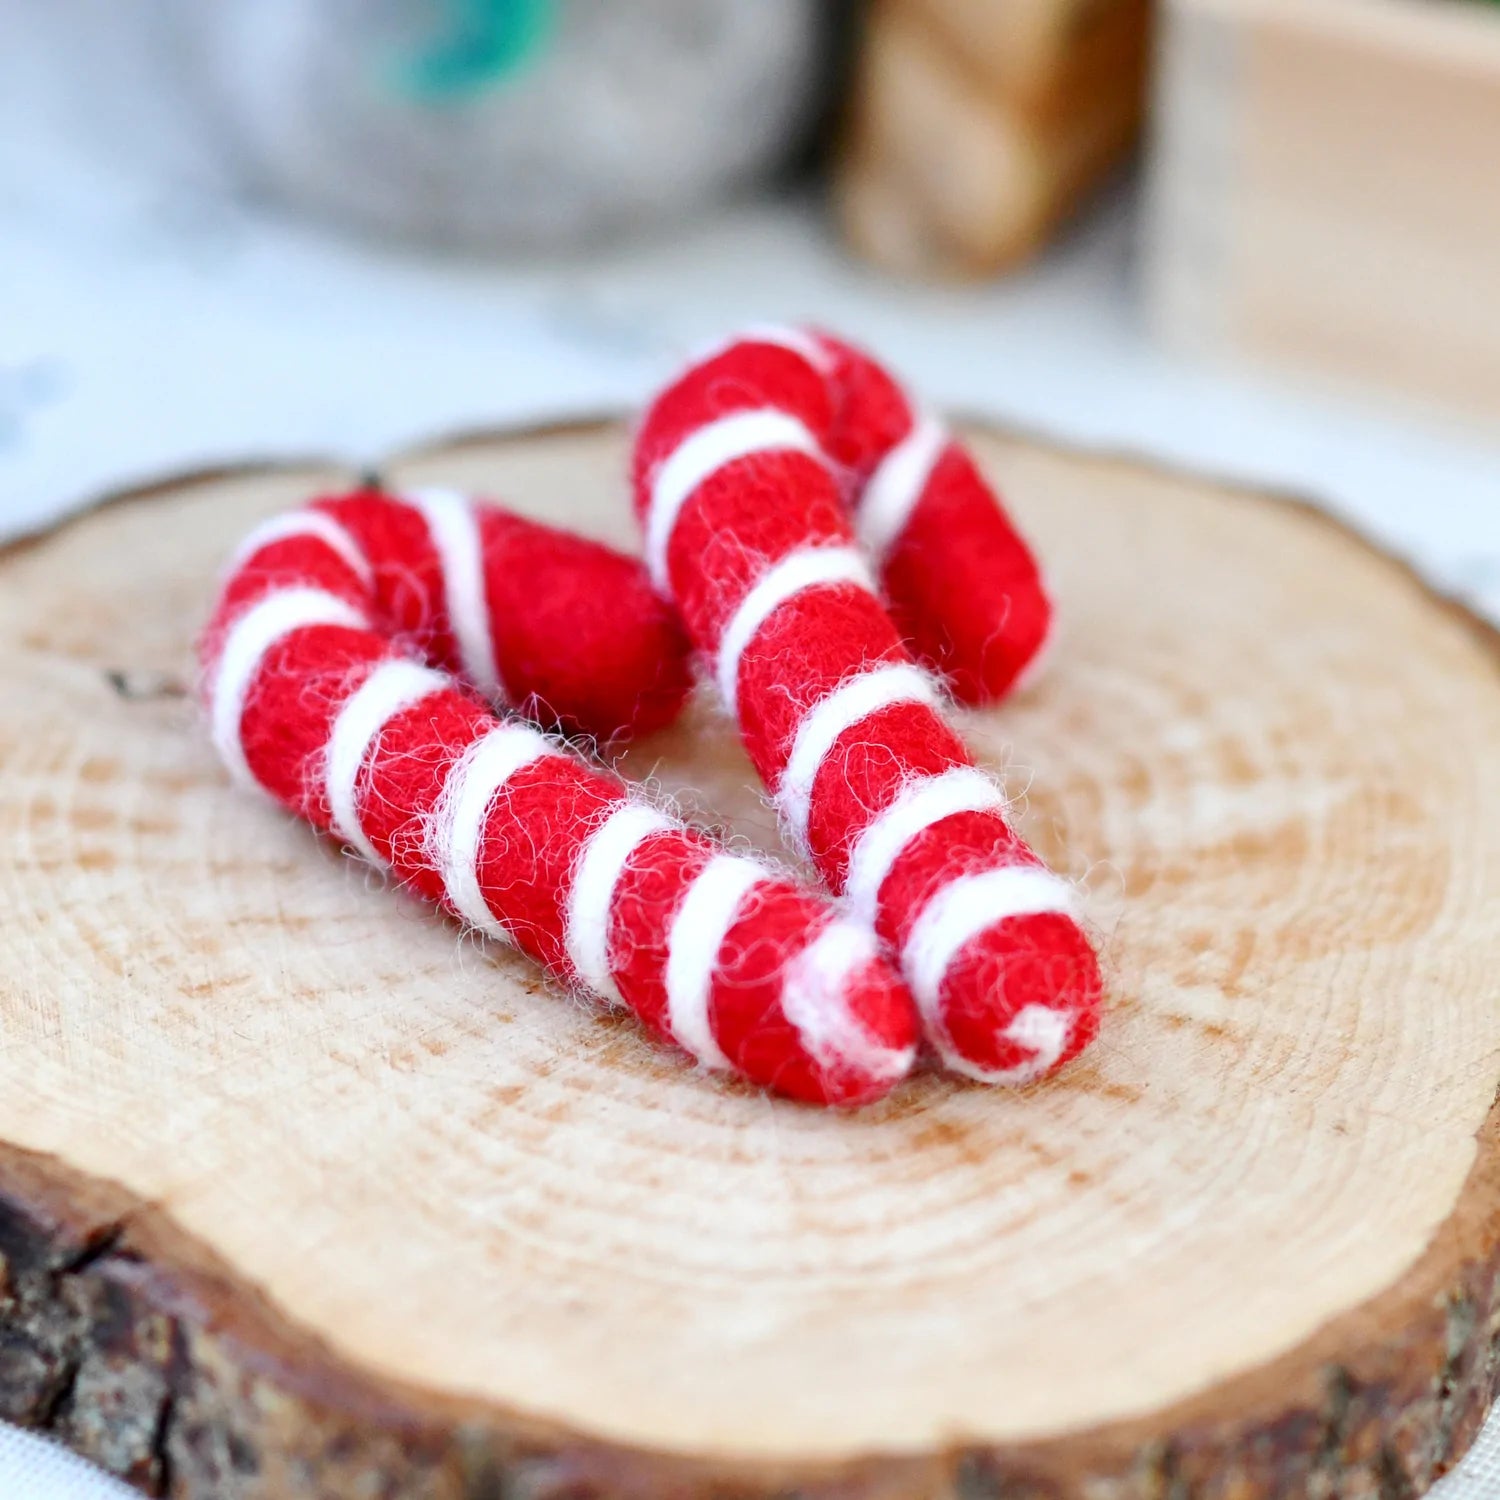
(1259, 238)
(1256, 237)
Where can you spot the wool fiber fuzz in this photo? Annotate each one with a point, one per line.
(748, 532)
(329, 674)
(958, 578)
(565, 630)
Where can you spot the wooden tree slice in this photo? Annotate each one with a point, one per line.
(303, 1195)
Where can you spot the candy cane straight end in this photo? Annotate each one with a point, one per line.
(1020, 1002)
(984, 627)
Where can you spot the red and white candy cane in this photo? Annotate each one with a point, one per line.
(747, 532)
(313, 699)
(960, 581)
(564, 629)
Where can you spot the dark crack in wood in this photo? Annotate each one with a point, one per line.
(143, 687)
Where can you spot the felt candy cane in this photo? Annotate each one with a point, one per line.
(316, 696)
(961, 584)
(746, 531)
(565, 630)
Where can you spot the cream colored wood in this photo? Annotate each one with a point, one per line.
(1324, 196)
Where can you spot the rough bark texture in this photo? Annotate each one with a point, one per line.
(124, 1341)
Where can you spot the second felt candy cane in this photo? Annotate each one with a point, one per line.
(746, 531)
(961, 583)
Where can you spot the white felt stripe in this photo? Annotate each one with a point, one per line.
(1038, 1027)
(966, 907)
(897, 485)
(476, 776)
(704, 452)
(591, 895)
(278, 614)
(697, 934)
(454, 529)
(306, 523)
(804, 344)
(812, 567)
(393, 686)
(855, 699)
(801, 343)
(815, 999)
(919, 804)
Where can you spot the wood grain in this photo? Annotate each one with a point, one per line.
(1323, 194)
(303, 1196)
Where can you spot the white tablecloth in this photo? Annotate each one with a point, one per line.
(147, 325)
(31, 1469)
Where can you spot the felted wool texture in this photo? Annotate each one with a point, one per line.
(319, 695)
(565, 629)
(844, 727)
(963, 587)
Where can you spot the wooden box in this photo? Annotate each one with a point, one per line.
(976, 127)
(1325, 190)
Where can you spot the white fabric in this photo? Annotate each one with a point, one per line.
(1478, 1476)
(698, 930)
(459, 822)
(454, 529)
(253, 633)
(390, 688)
(809, 568)
(591, 895)
(704, 452)
(32, 1468)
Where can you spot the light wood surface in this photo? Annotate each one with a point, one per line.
(300, 1192)
(1325, 194)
